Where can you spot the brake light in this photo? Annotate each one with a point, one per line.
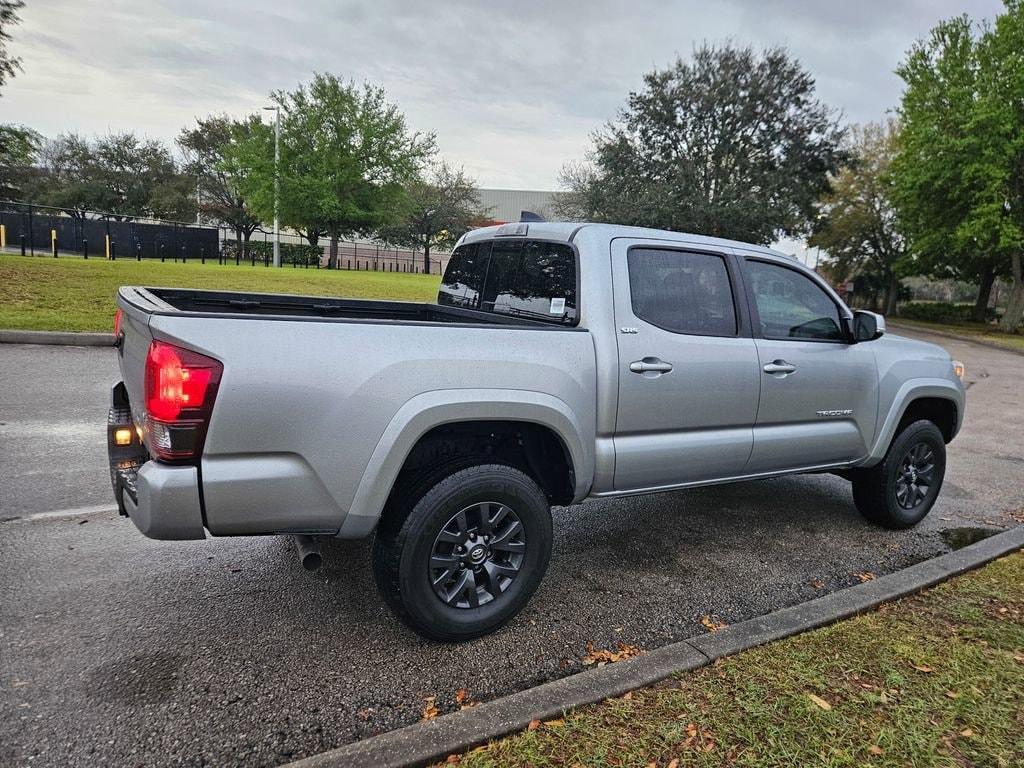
(117, 323)
(180, 387)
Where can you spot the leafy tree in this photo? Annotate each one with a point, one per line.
(118, 174)
(9, 65)
(209, 159)
(960, 171)
(346, 155)
(732, 143)
(19, 147)
(437, 209)
(858, 225)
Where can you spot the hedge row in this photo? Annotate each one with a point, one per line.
(941, 312)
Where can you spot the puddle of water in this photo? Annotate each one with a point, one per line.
(963, 536)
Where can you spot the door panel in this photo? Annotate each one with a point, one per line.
(822, 413)
(819, 394)
(687, 401)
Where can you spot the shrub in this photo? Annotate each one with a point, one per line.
(299, 254)
(941, 312)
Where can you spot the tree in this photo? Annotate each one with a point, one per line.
(999, 210)
(437, 209)
(219, 177)
(119, 174)
(960, 170)
(9, 65)
(858, 226)
(19, 147)
(346, 155)
(732, 144)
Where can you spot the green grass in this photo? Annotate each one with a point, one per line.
(982, 331)
(44, 293)
(933, 680)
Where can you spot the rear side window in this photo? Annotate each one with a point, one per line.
(682, 292)
(522, 278)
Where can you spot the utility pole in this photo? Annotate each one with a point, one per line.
(277, 181)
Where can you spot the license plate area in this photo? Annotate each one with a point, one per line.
(125, 452)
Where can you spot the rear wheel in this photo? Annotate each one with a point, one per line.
(468, 554)
(900, 490)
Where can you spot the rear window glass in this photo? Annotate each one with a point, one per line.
(521, 278)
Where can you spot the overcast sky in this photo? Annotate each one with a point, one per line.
(512, 89)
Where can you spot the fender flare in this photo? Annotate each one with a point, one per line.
(908, 392)
(428, 410)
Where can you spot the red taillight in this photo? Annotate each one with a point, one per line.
(117, 323)
(180, 386)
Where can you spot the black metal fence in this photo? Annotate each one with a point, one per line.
(43, 230)
(37, 229)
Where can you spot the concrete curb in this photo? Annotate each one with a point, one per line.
(898, 326)
(433, 740)
(65, 338)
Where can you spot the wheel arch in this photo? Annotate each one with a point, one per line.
(937, 400)
(536, 417)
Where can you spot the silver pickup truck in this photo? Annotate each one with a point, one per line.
(560, 362)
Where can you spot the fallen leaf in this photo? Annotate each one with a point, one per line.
(819, 701)
(558, 722)
(461, 695)
(922, 668)
(874, 749)
(430, 710)
(817, 583)
(711, 624)
(967, 733)
(952, 695)
(674, 763)
(601, 656)
(627, 695)
(453, 759)
(864, 576)
(533, 726)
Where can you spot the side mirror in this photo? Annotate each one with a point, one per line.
(867, 326)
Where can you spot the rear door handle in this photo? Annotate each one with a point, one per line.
(779, 366)
(650, 365)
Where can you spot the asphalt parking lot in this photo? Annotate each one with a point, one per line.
(115, 649)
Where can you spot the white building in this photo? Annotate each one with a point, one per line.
(508, 204)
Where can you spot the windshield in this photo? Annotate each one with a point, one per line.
(523, 278)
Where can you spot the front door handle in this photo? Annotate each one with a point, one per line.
(650, 365)
(779, 366)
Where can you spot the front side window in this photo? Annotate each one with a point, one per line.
(524, 278)
(681, 292)
(791, 305)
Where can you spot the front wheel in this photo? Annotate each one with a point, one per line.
(468, 555)
(900, 490)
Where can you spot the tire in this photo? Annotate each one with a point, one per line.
(893, 495)
(486, 583)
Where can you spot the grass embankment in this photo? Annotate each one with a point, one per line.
(982, 331)
(44, 293)
(935, 679)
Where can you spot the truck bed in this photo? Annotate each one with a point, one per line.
(193, 302)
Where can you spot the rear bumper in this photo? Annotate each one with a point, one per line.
(167, 505)
(161, 499)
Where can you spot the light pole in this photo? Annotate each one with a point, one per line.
(277, 181)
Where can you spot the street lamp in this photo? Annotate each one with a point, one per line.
(277, 181)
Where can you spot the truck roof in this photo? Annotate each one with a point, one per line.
(568, 231)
